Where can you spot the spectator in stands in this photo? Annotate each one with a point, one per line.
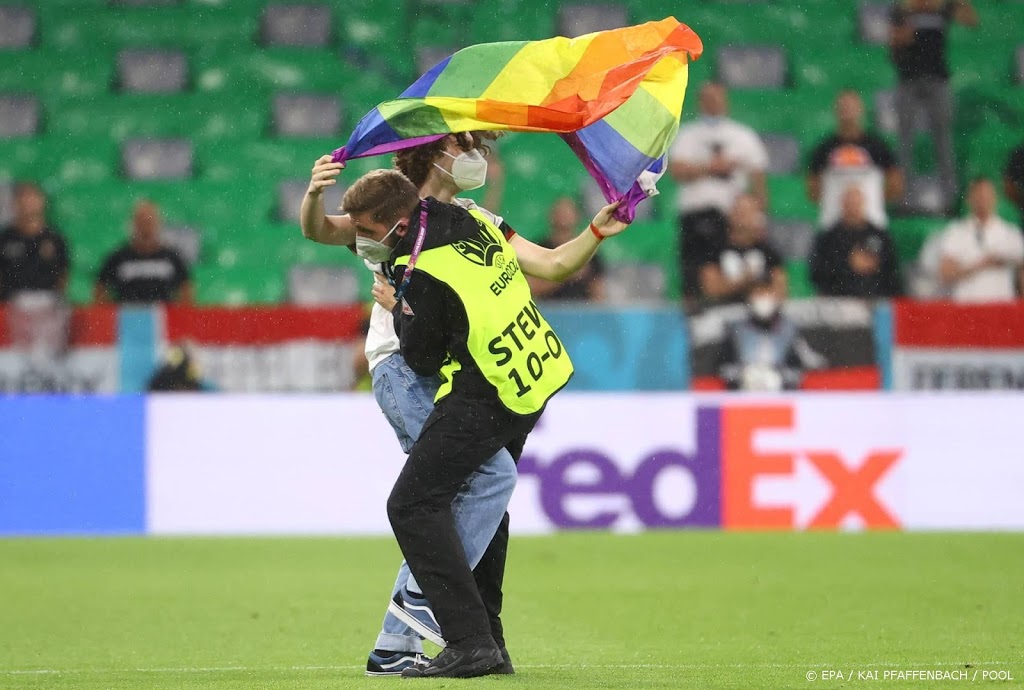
(33, 256)
(587, 283)
(852, 155)
(982, 255)
(917, 40)
(715, 159)
(1013, 179)
(144, 270)
(765, 351)
(745, 260)
(855, 258)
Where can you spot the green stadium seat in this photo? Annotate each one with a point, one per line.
(805, 114)
(108, 29)
(799, 276)
(53, 75)
(20, 158)
(787, 198)
(863, 67)
(80, 282)
(512, 20)
(271, 160)
(370, 25)
(988, 150)
(195, 116)
(260, 72)
(653, 242)
(241, 284)
(982, 65)
(909, 235)
(81, 159)
(539, 168)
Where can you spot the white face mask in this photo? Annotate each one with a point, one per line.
(374, 250)
(469, 169)
(764, 307)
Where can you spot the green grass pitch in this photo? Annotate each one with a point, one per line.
(660, 610)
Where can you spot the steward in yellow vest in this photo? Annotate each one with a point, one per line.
(495, 341)
(464, 311)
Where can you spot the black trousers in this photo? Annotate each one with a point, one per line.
(490, 571)
(702, 234)
(457, 438)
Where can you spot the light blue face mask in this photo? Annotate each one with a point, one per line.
(373, 250)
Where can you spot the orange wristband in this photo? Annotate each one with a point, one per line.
(597, 233)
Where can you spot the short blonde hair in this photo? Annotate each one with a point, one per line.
(386, 195)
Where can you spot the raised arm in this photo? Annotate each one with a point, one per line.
(561, 262)
(316, 224)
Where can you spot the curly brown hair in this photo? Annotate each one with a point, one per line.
(416, 162)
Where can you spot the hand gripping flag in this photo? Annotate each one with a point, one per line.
(614, 96)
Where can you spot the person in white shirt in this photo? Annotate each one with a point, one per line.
(715, 159)
(982, 255)
(442, 169)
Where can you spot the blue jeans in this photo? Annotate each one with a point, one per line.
(406, 400)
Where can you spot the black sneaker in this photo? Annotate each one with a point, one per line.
(393, 664)
(455, 663)
(505, 668)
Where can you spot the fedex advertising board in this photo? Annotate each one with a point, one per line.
(606, 461)
(239, 464)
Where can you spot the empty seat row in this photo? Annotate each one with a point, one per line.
(200, 118)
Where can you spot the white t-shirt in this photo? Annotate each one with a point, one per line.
(967, 241)
(381, 339)
(871, 181)
(698, 142)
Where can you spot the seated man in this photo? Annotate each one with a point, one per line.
(144, 270)
(33, 256)
(982, 255)
(855, 258)
(728, 273)
(765, 351)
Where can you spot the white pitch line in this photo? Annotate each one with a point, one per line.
(696, 667)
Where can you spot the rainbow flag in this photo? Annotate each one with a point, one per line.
(614, 96)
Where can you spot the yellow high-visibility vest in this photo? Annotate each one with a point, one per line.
(509, 339)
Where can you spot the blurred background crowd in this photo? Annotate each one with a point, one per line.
(156, 151)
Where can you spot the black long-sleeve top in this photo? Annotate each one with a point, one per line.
(830, 263)
(431, 319)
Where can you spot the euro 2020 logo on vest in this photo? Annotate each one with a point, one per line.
(482, 249)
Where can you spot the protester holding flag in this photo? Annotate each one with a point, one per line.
(407, 398)
(629, 77)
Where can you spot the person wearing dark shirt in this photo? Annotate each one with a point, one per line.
(746, 259)
(144, 270)
(1013, 179)
(917, 40)
(852, 155)
(33, 256)
(855, 258)
(587, 283)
